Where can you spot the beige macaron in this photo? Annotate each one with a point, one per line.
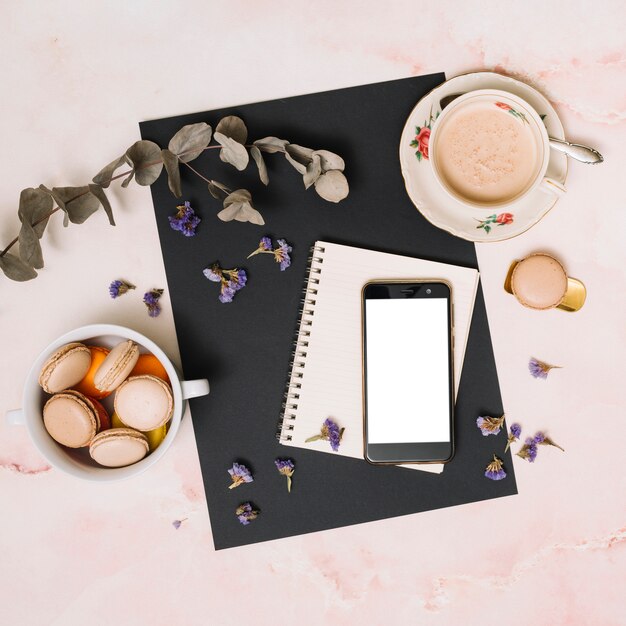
(539, 281)
(72, 419)
(118, 447)
(65, 367)
(117, 366)
(144, 402)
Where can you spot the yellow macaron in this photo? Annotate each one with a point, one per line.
(155, 437)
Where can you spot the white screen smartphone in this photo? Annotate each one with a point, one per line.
(407, 375)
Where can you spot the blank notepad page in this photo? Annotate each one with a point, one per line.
(326, 376)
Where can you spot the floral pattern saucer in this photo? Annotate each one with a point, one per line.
(435, 204)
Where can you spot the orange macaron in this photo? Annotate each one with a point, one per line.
(149, 364)
(87, 386)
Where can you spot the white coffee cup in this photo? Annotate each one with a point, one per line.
(77, 462)
(509, 102)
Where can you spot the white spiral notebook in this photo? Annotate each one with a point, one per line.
(325, 377)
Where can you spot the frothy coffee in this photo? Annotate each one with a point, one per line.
(485, 153)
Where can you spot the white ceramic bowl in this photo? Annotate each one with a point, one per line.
(78, 463)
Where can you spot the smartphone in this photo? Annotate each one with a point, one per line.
(408, 390)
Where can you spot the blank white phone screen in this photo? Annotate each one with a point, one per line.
(408, 387)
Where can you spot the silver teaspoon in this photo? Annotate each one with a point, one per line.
(581, 153)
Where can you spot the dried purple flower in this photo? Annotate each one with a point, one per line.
(495, 471)
(245, 513)
(231, 280)
(119, 287)
(330, 432)
(151, 300)
(515, 432)
(286, 468)
(539, 369)
(490, 425)
(185, 220)
(544, 440)
(177, 523)
(213, 273)
(240, 474)
(529, 450)
(281, 254)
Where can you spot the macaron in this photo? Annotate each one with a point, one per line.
(144, 402)
(539, 281)
(154, 437)
(65, 367)
(117, 366)
(149, 364)
(72, 419)
(118, 447)
(86, 385)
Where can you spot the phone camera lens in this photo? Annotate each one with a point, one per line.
(428, 291)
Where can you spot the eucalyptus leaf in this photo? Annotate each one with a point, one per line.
(298, 166)
(170, 160)
(239, 195)
(238, 206)
(218, 190)
(30, 248)
(330, 160)
(271, 144)
(147, 162)
(191, 140)
(127, 180)
(332, 186)
(233, 127)
(260, 163)
(313, 171)
(104, 176)
(299, 153)
(35, 205)
(232, 152)
(15, 269)
(59, 201)
(79, 202)
(97, 191)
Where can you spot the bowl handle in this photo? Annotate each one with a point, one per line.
(194, 388)
(15, 417)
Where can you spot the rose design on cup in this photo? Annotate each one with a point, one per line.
(422, 138)
(507, 107)
(501, 220)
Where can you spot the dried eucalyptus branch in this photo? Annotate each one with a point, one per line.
(319, 168)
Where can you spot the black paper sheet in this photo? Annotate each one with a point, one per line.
(244, 347)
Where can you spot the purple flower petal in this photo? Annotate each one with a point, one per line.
(151, 300)
(185, 220)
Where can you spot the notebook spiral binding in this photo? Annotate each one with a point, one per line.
(297, 362)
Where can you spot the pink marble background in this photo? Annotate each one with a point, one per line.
(76, 79)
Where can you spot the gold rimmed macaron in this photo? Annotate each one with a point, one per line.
(539, 281)
(118, 447)
(65, 367)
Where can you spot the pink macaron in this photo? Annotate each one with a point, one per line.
(118, 447)
(144, 402)
(72, 419)
(117, 366)
(65, 368)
